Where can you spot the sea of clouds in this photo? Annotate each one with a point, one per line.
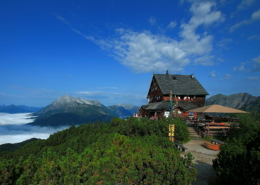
(14, 128)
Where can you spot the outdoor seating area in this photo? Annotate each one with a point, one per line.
(213, 126)
(210, 127)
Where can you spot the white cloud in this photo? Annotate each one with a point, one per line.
(21, 137)
(239, 68)
(254, 17)
(202, 15)
(146, 52)
(232, 28)
(13, 128)
(107, 88)
(14, 119)
(228, 76)
(109, 95)
(92, 93)
(253, 78)
(152, 20)
(224, 42)
(171, 25)
(204, 60)
(254, 37)
(213, 74)
(245, 4)
(19, 133)
(86, 37)
(256, 63)
(61, 19)
(221, 59)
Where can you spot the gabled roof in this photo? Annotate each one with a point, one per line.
(179, 84)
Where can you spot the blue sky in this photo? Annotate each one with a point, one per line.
(108, 50)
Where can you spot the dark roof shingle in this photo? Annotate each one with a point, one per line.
(165, 105)
(179, 84)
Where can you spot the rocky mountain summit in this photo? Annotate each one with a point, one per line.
(253, 106)
(236, 101)
(68, 103)
(67, 110)
(242, 101)
(68, 100)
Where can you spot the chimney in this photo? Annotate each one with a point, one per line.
(167, 72)
(192, 75)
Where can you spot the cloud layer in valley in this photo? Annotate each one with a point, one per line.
(13, 128)
(15, 119)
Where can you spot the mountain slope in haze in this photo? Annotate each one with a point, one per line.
(67, 110)
(123, 110)
(18, 109)
(119, 111)
(254, 107)
(234, 101)
(131, 108)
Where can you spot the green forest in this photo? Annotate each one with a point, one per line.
(132, 151)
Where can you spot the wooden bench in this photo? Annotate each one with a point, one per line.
(179, 145)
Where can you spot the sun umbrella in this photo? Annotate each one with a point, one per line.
(216, 109)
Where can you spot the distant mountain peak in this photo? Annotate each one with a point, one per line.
(65, 98)
(68, 100)
(127, 106)
(234, 100)
(90, 102)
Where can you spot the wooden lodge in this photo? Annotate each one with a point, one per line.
(187, 94)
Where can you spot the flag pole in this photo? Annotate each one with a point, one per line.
(170, 102)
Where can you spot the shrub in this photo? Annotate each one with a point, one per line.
(239, 159)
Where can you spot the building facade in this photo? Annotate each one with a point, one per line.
(187, 94)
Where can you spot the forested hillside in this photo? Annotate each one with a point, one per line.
(129, 151)
(13, 147)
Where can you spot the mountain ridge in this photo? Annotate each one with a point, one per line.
(236, 101)
(67, 110)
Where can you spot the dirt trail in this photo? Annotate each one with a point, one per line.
(203, 161)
